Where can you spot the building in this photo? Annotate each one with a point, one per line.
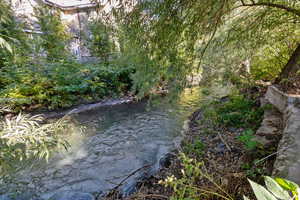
(75, 14)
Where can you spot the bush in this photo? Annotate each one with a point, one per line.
(239, 111)
(62, 84)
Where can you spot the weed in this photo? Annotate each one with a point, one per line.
(195, 148)
(247, 138)
(252, 171)
(239, 112)
(186, 187)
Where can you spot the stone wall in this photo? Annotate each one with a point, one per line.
(287, 163)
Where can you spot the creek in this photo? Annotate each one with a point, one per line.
(117, 141)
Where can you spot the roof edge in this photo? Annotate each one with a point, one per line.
(68, 8)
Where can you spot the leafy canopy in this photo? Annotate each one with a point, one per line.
(173, 38)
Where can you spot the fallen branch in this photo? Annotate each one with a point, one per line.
(156, 196)
(115, 189)
(222, 139)
(272, 154)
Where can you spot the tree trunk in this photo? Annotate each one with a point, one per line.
(292, 66)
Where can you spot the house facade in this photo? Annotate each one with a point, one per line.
(75, 14)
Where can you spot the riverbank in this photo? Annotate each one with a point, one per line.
(214, 154)
(117, 140)
(87, 107)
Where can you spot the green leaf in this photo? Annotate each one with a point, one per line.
(276, 189)
(260, 192)
(287, 185)
(5, 44)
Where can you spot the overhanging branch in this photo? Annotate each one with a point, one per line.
(273, 5)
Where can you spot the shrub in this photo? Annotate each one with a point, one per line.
(62, 84)
(239, 112)
(235, 111)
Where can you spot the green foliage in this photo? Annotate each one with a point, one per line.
(185, 187)
(100, 42)
(195, 148)
(253, 171)
(239, 112)
(205, 91)
(268, 62)
(180, 37)
(62, 84)
(24, 138)
(54, 38)
(12, 37)
(247, 138)
(275, 189)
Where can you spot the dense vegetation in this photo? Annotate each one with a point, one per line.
(217, 37)
(162, 42)
(149, 46)
(40, 72)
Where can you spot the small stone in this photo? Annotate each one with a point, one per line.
(166, 160)
(220, 148)
(232, 129)
(71, 195)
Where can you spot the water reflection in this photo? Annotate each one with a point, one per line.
(118, 140)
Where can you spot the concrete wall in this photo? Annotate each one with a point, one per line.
(287, 163)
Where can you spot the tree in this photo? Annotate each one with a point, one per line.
(181, 36)
(292, 66)
(99, 42)
(12, 37)
(54, 37)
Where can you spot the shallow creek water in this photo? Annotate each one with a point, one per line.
(118, 140)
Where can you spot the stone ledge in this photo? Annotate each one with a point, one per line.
(280, 99)
(287, 163)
